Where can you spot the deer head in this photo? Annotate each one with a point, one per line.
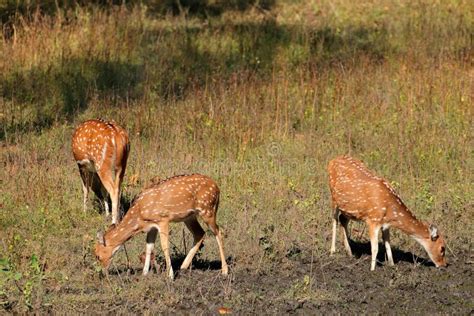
(435, 246)
(433, 232)
(102, 252)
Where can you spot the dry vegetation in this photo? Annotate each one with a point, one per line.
(259, 100)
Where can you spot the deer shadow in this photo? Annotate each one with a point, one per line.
(176, 261)
(360, 249)
(198, 264)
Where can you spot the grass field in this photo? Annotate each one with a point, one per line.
(260, 100)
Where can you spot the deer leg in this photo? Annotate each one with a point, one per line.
(198, 234)
(113, 189)
(374, 243)
(85, 176)
(150, 244)
(211, 222)
(104, 194)
(119, 186)
(114, 196)
(109, 185)
(334, 230)
(100, 191)
(164, 238)
(345, 233)
(386, 240)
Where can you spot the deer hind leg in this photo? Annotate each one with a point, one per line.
(345, 233)
(114, 197)
(374, 243)
(114, 192)
(117, 171)
(211, 222)
(109, 185)
(386, 240)
(150, 244)
(198, 234)
(119, 179)
(334, 230)
(164, 239)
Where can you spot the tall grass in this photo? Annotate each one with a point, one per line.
(259, 101)
(52, 67)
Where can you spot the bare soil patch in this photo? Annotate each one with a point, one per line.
(303, 284)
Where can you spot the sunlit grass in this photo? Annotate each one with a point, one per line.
(259, 101)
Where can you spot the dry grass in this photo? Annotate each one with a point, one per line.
(258, 102)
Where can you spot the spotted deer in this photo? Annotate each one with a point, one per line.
(177, 199)
(358, 194)
(101, 149)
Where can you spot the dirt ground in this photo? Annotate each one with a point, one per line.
(295, 284)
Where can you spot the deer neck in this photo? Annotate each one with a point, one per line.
(126, 229)
(404, 220)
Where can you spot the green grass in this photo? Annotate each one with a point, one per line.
(258, 101)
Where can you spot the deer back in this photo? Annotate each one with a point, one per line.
(359, 193)
(101, 143)
(177, 198)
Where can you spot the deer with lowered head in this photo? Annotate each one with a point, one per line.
(177, 199)
(101, 149)
(358, 194)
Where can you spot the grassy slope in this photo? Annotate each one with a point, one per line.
(260, 102)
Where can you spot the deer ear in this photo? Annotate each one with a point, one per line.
(100, 238)
(433, 232)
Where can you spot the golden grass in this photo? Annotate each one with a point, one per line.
(260, 103)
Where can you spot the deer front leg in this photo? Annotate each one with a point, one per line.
(150, 244)
(374, 243)
(388, 249)
(164, 238)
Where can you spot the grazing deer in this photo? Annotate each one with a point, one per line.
(101, 150)
(176, 199)
(358, 194)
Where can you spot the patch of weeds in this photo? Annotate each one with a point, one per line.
(425, 198)
(14, 282)
(265, 242)
(305, 290)
(294, 252)
(32, 279)
(8, 275)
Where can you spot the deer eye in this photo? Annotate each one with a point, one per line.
(442, 251)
